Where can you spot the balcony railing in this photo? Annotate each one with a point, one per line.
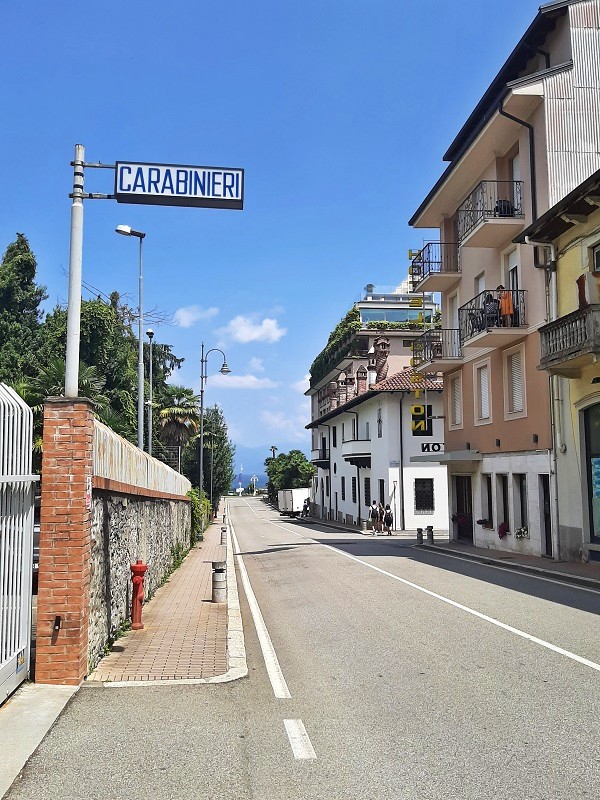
(571, 337)
(498, 312)
(438, 345)
(490, 200)
(320, 456)
(436, 258)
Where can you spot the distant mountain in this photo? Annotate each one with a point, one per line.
(250, 461)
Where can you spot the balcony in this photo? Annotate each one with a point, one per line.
(436, 268)
(320, 457)
(571, 342)
(357, 452)
(494, 318)
(491, 214)
(437, 351)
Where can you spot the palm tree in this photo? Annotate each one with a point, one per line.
(179, 417)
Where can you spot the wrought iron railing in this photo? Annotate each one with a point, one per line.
(436, 258)
(494, 308)
(320, 454)
(489, 200)
(571, 335)
(437, 345)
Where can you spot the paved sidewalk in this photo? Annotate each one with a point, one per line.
(184, 634)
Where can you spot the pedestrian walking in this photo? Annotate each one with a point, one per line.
(373, 516)
(388, 520)
(380, 516)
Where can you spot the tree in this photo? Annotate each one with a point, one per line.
(20, 315)
(288, 471)
(219, 448)
(178, 418)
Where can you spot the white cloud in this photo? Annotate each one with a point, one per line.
(240, 382)
(243, 329)
(302, 385)
(187, 316)
(256, 365)
(291, 425)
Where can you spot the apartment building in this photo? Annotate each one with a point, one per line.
(370, 412)
(570, 354)
(531, 139)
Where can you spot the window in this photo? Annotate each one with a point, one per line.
(343, 488)
(455, 401)
(343, 431)
(503, 512)
(479, 283)
(367, 431)
(596, 258)
(379, 424)
(520, 498)
(424, 496)
(487, 511)
(367, 491)
(382, 492)
(481, 392)
(354, 436)
(327, 485)
(354, 490)
(334, 436)
(514, 383)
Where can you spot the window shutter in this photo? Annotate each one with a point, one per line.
(484, 393)
(456, 400)
(515, 376)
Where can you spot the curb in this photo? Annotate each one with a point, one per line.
(563, 577)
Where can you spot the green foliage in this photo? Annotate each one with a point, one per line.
(412, 325)
(219, 453)
(20, 315)
(288, 471)
(178, 417)
(337, 346)
(196, 507)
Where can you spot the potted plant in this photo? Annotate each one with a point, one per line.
(502, 530)
(485, 523)
(522, 533)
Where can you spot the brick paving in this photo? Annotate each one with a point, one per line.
(184, 634)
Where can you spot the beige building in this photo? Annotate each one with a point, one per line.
(570, 354)
(531, 139)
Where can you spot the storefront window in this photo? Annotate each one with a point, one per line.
(592, 449)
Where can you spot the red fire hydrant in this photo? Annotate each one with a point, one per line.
(137, 598)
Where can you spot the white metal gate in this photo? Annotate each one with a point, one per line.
(16, 538)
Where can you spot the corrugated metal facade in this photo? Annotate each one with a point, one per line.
(572, 100)
(118, 460)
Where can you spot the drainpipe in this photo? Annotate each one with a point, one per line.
(531, 158)
(401, 470)
(555, 396)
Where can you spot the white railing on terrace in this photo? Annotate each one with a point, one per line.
(117, 459)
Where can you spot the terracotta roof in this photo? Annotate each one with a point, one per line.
(406, 381)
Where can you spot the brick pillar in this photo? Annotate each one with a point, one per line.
(65, 541)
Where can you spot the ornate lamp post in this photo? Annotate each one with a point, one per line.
(203, 367)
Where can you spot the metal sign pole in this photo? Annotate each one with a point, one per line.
(75, 262)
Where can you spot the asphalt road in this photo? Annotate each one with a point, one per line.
(413, 674)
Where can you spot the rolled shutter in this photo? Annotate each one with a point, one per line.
(515, 376)
(484, 393)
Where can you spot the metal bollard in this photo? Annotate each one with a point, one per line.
(219, 582)
(224, 518)
(224, 534)
(429, 534)
(419, 535)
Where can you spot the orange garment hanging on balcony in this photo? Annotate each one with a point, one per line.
(505, 300)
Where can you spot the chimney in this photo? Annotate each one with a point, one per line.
(361, 380)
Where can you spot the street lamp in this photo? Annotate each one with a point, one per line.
(253, 480)
(224, 371)
(126, 230)
(150, 335)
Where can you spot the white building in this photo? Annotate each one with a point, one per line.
(366, 426)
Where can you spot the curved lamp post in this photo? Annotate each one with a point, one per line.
(126, 230)
(150, 335)
(203, 367)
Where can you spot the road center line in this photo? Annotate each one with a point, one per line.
(274, 672)
(566, 653)
(301, 746)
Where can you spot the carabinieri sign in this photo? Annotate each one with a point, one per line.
(179, 185)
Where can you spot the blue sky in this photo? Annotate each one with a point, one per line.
(339, 112)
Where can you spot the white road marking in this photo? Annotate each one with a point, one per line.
(566, 653)
(274, 672)
(301, 746)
